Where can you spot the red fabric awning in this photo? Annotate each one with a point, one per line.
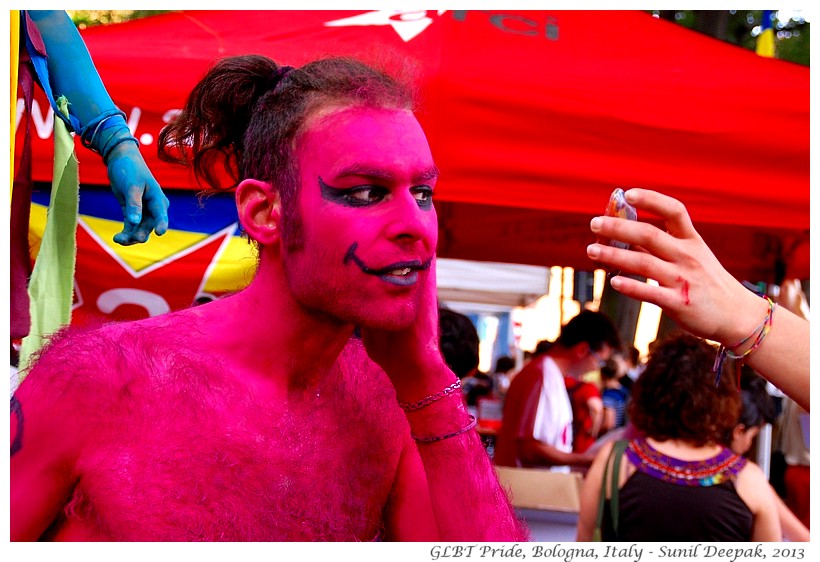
(533, 118)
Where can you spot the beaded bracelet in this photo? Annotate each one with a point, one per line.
(761, 331)
(764, 330)
(464, 429)
(427, 400)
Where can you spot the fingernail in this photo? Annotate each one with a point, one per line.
(134, 218)
(595, 224)
(593, 250)
(616, 282)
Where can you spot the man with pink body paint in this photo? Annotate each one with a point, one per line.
(314, 404)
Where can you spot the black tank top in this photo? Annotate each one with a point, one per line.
(657, 506)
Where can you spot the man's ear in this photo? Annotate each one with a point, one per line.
(581, 350)
(738, 431)
(259, 209)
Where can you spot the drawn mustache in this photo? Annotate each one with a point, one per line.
(415, 265)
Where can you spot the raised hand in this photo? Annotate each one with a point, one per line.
(693, 287)
(698, 293)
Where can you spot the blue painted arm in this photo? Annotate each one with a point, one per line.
(101, 127)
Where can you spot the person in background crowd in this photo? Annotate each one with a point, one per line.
(757, 410)
(677, 482)
(587, 408)
(537, 421)
(613, 394)
(459, 344)
(501, 375)
(633, 368)
(542, 347)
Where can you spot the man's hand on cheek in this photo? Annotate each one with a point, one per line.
(406, 354)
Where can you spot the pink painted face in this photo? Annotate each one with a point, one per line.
(368, 223)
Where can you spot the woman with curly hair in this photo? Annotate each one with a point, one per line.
(677, 481)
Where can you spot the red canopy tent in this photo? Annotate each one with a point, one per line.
(533, 118)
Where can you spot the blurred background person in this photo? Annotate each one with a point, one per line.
(537, 426)
(459, 341)
(634, 366)
(587, 405)
(757, 410)
(613, 394)
(677, 481)
(504, 366)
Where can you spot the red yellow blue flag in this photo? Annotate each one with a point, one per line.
(203, 256)
(765, 40)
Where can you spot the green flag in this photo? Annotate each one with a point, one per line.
(51, 285)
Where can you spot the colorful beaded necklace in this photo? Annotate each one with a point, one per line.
(724, 466)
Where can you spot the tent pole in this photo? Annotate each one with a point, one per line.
(623, 311)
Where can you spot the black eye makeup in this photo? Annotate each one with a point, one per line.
(424, 196)
(356, 196)
(366, 195)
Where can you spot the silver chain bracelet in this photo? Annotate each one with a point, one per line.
(464, 429)
(426, 401)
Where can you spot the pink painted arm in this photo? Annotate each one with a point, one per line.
(41, 463)
(468, 503)
(697, 292)
(409, 514)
